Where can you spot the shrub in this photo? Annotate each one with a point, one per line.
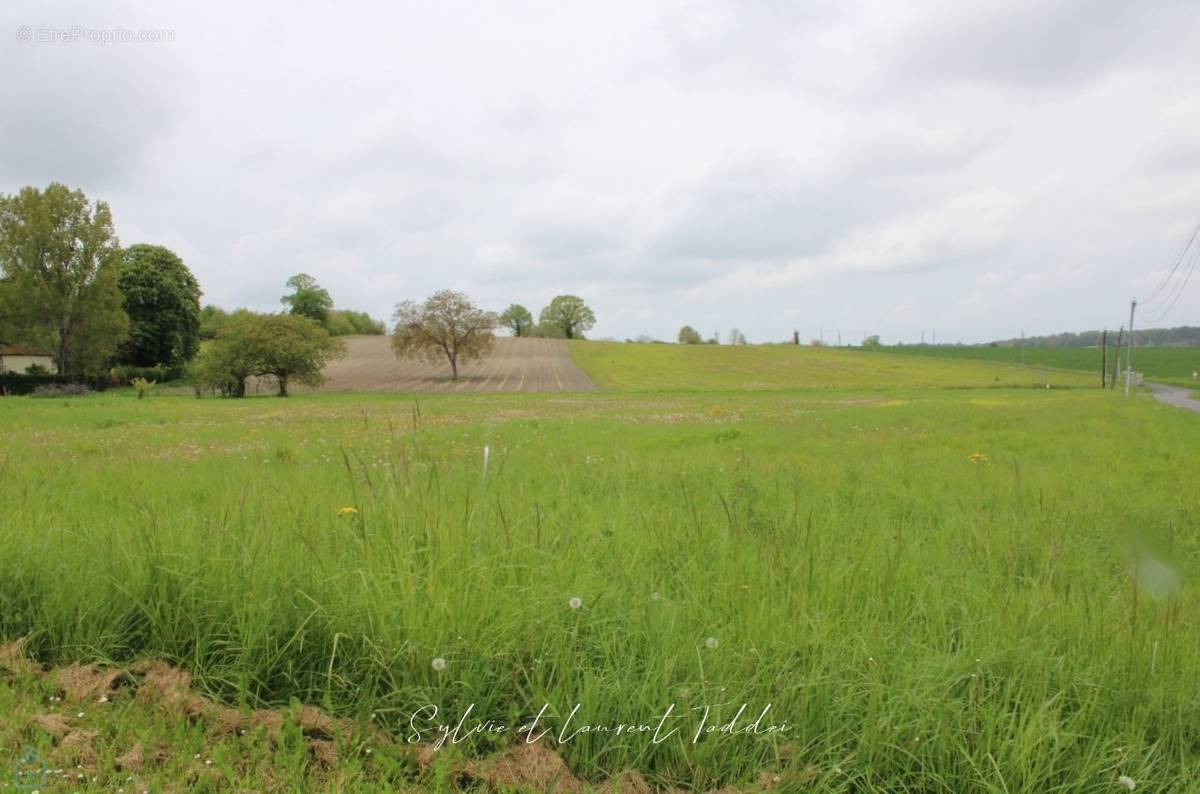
(12, 383)
(142, 385)
(125, 375)
(61, 390)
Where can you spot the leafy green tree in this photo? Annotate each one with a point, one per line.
(689, 336)
(290, 348)
(307, 298)
(293, 348)
(230, 358)
(59, 262)
(446, 325)
(162, 299)
(212, 319)
(544, 331)
(872, 342)
(517, 319)
(342, 322)
(570, 314)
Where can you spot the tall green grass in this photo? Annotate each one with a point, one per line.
(921, 620)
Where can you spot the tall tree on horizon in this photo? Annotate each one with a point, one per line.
(59, 263)
(307, 298)
(517, 319)
(569, 314)
(446, 325)
(162, 299)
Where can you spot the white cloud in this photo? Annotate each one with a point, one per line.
(865, 166)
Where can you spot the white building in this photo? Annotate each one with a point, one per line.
(18, 359)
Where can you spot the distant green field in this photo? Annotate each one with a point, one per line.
(1168, 364)
(665, 367)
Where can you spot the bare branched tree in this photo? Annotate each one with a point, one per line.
(447, 324)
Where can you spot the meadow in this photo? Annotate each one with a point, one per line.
(954, 583)
(1166, 364)
(663, 367)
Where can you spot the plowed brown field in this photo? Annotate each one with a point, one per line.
(513, 365)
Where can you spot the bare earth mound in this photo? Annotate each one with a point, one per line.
(514, 365)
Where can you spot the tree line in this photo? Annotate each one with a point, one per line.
(1181, 336)
(67, 285)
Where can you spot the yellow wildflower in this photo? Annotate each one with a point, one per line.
(977, 457)
(347, 511)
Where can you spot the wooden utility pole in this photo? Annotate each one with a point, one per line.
(1112, 383)
(1129, 351)
(1104, 360)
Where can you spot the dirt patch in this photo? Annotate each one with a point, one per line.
(71, 745)
(133, 760)
(529, 767)
(513, 365)
(170, 687)
(14, 660)
(82, 683)
(158, 685)
(324, 753)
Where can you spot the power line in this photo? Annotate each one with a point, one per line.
(1178, 291)
(1178, 261)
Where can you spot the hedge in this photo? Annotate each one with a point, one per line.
(12, 384)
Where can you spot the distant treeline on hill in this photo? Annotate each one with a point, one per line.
(1183, 336)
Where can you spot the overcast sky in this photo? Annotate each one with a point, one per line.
(970, 168)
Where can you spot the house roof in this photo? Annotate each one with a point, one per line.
(21, 350)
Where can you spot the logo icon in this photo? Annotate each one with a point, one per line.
(29, 773)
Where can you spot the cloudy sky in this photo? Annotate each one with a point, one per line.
(972, 169)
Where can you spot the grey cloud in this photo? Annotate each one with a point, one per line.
(762, 164)
(1040, 44)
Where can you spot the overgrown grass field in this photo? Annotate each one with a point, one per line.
(934, 589)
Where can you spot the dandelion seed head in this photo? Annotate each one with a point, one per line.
(712, 642)
(438, 664)
(575, 603)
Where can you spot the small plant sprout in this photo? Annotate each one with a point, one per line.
(575, 603)
(711, 643)
(1126, 782)
(438, 664)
